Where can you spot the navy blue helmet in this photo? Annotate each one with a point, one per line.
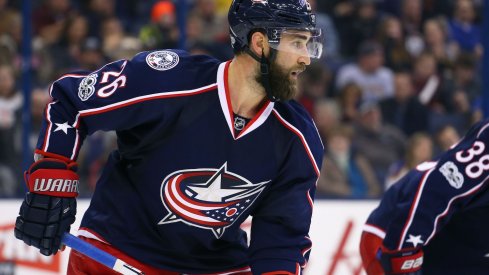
(276, 17)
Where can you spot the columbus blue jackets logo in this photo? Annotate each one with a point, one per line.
(162, 60)
(211, 199)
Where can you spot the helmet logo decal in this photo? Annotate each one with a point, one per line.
(208, 198)
(305, 3)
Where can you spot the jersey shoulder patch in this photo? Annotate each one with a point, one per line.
(162, 60)
(168, 70)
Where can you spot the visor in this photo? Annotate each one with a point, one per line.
(304, 42)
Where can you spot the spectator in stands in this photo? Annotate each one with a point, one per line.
(464, 29)
(215, 25)
(327, 115)
(345, 173)
(356, 25)
(10, 106)
(66, 53)
(337, 8)
(7, 14)
(445, 138)
(427, 82)
(96, 12)
(434, 8)
(162, 32)
(419, 149)
(10, 39)
(208, 30)
(314, 84)
(404, 110)
(380, 143)
(39, 98)
(412, 22)
(116, 44)
(91, 54)
(350, 99)
(375, 80)
(438, 44)
(412, 16)
(49, 20)
(463, 86)
(391, 36)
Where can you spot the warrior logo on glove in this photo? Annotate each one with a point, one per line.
(207, 198)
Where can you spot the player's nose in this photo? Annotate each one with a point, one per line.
(304, 59)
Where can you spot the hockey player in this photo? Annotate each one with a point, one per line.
(435, 219)
(202, 145)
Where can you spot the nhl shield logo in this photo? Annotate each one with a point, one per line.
(211, 199)
(162, 60)
(239, 123)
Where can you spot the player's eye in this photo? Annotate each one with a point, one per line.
(298, 44)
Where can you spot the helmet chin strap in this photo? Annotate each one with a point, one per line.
(265, 70)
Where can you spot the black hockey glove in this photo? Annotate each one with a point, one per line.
(49, 208)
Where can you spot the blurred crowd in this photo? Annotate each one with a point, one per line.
(398, 83)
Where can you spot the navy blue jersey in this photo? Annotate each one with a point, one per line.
(184, 178)
(442, 206)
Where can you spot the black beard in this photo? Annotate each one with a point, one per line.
(281, 85)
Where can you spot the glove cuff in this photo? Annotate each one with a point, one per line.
(52, 177)
(401, 261)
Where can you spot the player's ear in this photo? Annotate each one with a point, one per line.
(258, 43)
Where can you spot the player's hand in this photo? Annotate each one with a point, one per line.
(377, 260)
(49, 208)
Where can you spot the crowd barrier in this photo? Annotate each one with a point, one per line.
(335, 232)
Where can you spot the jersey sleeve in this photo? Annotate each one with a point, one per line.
(118, 96)
(418, 206)
(280, 243)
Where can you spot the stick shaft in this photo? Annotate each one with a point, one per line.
(99, 255)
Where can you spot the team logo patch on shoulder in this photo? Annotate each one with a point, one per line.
(162, 60)
(87, 87)
(211, 199)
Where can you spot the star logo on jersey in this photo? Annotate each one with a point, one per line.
(63, 127)
(415, 240)
(211, 199)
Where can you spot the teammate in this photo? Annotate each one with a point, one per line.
(435, 220)
(202, 145)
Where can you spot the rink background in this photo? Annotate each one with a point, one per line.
(335, 232)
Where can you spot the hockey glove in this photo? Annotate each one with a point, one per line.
(49, 208)
(378, 260)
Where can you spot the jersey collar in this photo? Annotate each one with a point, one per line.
(225, 99)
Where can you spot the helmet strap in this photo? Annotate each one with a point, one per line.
(265, 73)
(265, 70)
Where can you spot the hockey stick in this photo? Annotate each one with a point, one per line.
(99, 255)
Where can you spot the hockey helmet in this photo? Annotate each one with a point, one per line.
(277, 18)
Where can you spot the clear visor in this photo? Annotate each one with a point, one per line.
(302, 42)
